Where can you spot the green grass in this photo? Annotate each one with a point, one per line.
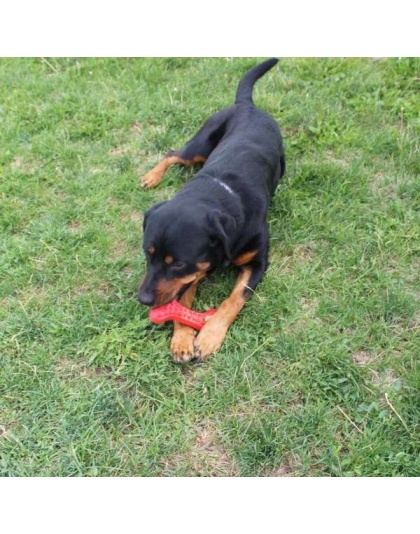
(319, 375)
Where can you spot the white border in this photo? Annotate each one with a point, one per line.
(126, 28)
(191, 505)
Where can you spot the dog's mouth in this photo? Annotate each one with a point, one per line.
(183, 290)
(165, 291)
(162, 300)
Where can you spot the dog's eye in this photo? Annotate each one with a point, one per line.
(178, 265)
(150, 251)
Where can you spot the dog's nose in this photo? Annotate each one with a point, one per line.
(146, 297)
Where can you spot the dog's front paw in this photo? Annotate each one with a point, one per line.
(182, 345)
(209, 339)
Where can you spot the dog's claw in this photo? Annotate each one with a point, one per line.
(181, 358)
(186, 357)
(198, 357)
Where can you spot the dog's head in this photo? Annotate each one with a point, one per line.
(182, 244)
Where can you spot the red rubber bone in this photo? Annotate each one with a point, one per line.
(174, 311)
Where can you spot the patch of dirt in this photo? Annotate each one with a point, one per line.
(117, 151)
(136, 127)
(136, 216)
(332, 158)
(19, 163)
(4, 429)
(304, 252)
(5, 303)
(363, 357)
(207, 457)
(131, 217)
(74, 227)
(118, 251)
(69, 369)
(385, 186)
(129, 272)
(293, 466)
(384, 380)
(35, 296)
(210, 458)
(291, 260)
(414, 323)
(97, 170)
(282, 471)
(308, 310)
(101, 289)
(291, 131)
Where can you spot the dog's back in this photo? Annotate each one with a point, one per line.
(242, 141)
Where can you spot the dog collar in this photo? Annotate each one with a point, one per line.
(225, 186)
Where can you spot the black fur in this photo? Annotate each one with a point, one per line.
(220, 214)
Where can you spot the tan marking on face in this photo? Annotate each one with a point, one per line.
(203, 266)
(168, 260)
(245, 258)
(151, 250)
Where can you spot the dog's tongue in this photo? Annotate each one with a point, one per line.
(174, 311)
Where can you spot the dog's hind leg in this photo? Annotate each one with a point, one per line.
(197, 150)
(154, 176)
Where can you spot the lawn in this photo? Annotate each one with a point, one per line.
(319, 375)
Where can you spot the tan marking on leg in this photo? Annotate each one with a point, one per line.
(210, 338)
(245, 258)
(182, 344)
(195, 160)
(154, 177)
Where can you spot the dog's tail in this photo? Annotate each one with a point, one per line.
(246, 85)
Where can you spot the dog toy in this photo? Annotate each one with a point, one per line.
(174, 311)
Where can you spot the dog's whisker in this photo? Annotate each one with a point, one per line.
(252, 291)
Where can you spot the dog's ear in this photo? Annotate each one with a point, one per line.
(151, 210)
(222, 230)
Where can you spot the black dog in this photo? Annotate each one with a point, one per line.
(218, 217)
